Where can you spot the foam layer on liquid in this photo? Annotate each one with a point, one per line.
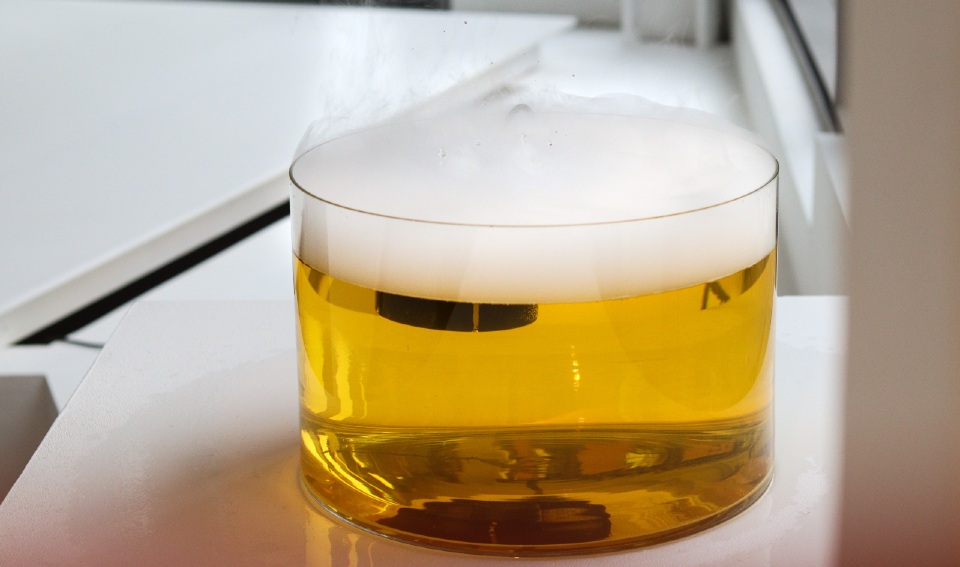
(564, 206)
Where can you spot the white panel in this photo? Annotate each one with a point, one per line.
(901, 490)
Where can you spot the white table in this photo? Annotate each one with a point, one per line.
(181, 448)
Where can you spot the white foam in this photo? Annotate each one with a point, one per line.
(531, 207)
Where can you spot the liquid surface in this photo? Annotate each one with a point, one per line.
(587, 426)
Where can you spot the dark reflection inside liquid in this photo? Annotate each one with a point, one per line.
(453, 315)
(514, 492)
(539, 521)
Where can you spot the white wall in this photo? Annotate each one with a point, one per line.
(901, 503)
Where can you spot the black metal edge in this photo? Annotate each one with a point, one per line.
(115, 298)
(826, 110)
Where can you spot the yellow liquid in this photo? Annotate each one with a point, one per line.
(600, 425)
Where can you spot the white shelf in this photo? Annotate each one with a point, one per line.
(181, 448)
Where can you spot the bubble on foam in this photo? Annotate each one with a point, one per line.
(533, 202)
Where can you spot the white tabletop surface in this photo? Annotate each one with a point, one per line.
(181, 448)
(134, 131)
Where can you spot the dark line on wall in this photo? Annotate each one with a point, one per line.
(113, 299)
(826, 110)
(84, 344)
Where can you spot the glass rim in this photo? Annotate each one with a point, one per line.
(771, 179)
